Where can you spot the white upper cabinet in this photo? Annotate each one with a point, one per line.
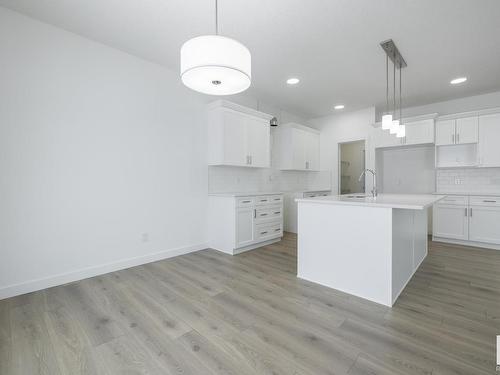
(417, 133)
(467, 130)
(258, 142)
(457, 131)
(297, 147)
(312, 151)
(382, 138)
(445, 132)
(233, 134)
(489, 140)
(238, 136)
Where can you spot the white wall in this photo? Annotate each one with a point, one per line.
(97, 148)
(345, 127)
(470, 103)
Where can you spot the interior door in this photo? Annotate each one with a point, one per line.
(489, 134)
(244, 226)
(450, 221)
(445, 132)
(467, 130)
(235, 148)
(258, 138)
(484, 224)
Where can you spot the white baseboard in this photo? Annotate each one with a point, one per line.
(84, 273)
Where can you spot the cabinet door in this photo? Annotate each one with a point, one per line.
(235, 148)
(299, 144)
(312, 151)
(484, 224)
(382, 138)
(419, 133)
(445, 132)
(244, 226)
(258, 138)
(467, 130)
(489, 138)
(450, 221)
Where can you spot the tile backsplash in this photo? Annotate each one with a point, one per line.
(222, 179)
(470, 180)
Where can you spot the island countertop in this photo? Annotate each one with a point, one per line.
(401, 201)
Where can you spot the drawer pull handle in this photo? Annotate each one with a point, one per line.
(277, 199)
(263, 200)
(465, 211)
(263, 214)
(245, 201)
(263, 232)
(489, 201)
(277, 230)
(277, 212)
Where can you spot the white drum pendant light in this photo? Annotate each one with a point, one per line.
(215, 65)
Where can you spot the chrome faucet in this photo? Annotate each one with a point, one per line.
(374, 189)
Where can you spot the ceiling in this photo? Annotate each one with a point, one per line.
(331, 45)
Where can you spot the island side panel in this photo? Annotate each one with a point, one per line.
(409, 240)
(421, 237)
(346, 247)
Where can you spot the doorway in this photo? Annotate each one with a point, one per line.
(351, 165)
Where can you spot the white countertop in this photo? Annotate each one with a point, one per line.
(403, 201)
(245, 193)
(488, 194)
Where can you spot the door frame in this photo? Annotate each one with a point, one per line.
(339, 160)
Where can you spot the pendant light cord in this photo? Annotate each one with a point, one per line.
(400, 100)
(394, 87)
(216, 18)
(387, 83)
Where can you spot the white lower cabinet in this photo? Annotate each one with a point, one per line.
(244, 226)
(484, 219)
(473, 220)
(237, 224)
(450, 221)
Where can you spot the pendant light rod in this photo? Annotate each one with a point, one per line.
(387, 83)
(400, 95)
(216, 18)
(394, 88)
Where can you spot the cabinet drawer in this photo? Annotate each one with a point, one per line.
(245, 201)
(264, 212)
(485, 201)
(454, 200)
(262, 200)
(268, 230)
(276, 199)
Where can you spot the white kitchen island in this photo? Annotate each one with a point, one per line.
(368, 247)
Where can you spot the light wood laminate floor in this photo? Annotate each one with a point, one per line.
(211, 313)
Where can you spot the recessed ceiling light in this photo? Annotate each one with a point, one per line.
(339, 106)
(292, 81)
(458, 80)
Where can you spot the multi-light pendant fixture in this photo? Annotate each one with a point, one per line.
(390, 120)
(215, 64)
